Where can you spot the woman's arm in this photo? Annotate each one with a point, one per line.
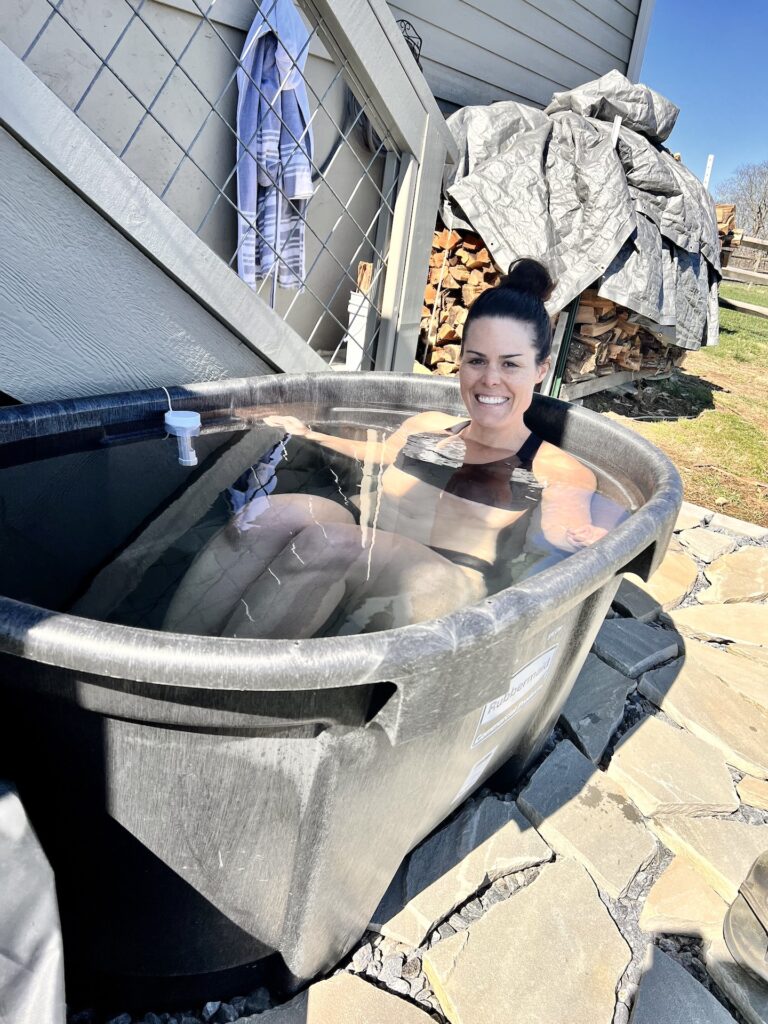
(566, 519)
(388, 450)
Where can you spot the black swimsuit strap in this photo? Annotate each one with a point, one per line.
(458, 427)
(525, 455)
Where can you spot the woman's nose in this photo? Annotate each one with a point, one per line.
(491, 374)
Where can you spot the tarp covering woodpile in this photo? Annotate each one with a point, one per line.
(551, 184)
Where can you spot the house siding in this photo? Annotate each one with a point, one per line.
(477, 53)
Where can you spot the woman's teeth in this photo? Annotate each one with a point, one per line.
(489, 400)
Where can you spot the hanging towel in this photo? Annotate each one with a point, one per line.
(274, 148)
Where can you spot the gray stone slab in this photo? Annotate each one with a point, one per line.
(666, 770)
(738, 526)
(342, 999)
(697, 696)
(706, 544)
(740, 576)
(668, 994)
(720, 849)
(634, 647)
(635, 602)
(550, 955)
(740, 622)
(490, 838)
(691, 515)
(595, 706)
(583, 814)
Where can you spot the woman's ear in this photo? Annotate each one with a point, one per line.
(542, 369)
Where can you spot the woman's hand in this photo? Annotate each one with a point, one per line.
(290, 424)
(584, 536)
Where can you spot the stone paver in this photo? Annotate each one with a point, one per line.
(697, 698)
(690, 516)
(668, 994)
(706, 544)
(635, 602)
(747, 994)
(342, 999)
(583, 814)
(753, 792)
(634, 647)
(738, 526)
(665, 770)
(595, 706)
(750, 652)
(745, 675)
(722, 851)
(488, 839)
(673, 579)
(741, 576)
(551, 953)
(681, 903)
(741, 623)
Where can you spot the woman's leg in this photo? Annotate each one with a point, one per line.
(329, 575)
(232, 559)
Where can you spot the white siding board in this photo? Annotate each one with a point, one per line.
(555, 40)
(481, 51)
(611, 12)
(82, 310)
(449, 50)
(460, 90)
(593, 51)
(493, 35)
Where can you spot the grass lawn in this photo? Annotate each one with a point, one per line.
(711, 417)
(756, 294)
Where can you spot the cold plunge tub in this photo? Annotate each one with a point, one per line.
(214, 807)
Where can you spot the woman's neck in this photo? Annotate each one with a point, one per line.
(509, 439)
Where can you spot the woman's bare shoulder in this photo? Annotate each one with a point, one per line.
(429, 421)
(557, 464)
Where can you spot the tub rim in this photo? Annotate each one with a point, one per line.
(230, 664)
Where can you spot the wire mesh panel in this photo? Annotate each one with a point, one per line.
(159, 82)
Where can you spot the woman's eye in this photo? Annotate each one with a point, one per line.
(510, 366)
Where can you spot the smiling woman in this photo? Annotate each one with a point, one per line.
(461, 507)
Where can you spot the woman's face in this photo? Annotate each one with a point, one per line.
(499, 371)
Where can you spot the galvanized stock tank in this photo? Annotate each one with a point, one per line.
(214, 807)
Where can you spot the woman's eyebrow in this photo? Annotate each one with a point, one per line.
(511, 355)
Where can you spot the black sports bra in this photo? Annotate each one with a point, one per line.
(508, 483)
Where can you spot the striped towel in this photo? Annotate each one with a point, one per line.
(274, 148)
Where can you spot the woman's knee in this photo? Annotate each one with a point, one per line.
(332, 541)
(291, 513)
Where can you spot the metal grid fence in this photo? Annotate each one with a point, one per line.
(156, 80)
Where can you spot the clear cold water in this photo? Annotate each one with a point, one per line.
(270, 534)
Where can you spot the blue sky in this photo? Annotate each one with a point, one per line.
(709, 57)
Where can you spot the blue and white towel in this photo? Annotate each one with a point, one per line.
(249, 495)
(274, 149)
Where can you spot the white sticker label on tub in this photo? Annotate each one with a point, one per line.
(524, 686)
(476, 772)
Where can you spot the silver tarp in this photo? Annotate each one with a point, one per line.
(551, 184)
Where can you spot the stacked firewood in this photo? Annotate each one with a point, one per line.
(460, 268)
(604, 339)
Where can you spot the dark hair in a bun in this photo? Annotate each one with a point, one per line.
(520, 295)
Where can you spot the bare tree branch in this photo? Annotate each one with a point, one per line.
(748, 189)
